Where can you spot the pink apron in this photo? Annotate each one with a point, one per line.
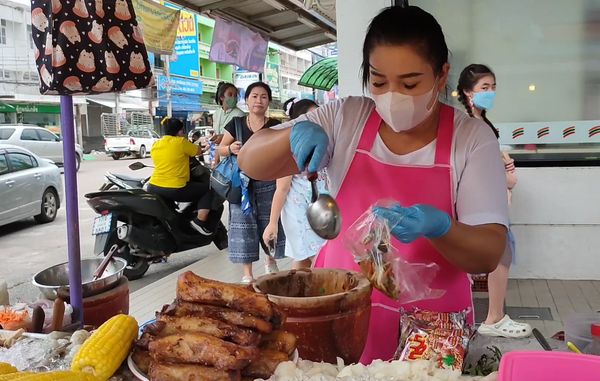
(369, 180)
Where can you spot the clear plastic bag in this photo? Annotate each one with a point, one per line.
(369, 239)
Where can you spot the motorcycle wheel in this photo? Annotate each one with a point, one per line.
(136, 266)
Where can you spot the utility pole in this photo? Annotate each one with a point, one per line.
(118, 111)
(167, 61)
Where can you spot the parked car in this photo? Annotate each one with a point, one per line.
(39, 141)
(30, 186)
(136, 142)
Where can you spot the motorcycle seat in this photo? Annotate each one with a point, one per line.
(127, 178)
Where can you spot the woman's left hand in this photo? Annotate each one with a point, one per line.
(270, 233)
(408, 224)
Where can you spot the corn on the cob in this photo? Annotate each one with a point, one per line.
(14, 376)
(49, 376)
(103, 353)
(6, 368)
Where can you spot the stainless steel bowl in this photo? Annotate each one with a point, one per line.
(54, 281)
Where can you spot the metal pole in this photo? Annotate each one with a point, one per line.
(68, 134)
(167, 60)
(118, 112)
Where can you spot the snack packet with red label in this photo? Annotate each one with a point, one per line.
(441, 337)
(370, 241)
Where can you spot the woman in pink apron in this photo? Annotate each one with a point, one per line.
(440, 166)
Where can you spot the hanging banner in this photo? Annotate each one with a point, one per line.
(237, 45)
(159, 25)
(272, 74)
(185, 61)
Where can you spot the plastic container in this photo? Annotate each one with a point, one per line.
(594, 347)
(548, 366)
(577, 328)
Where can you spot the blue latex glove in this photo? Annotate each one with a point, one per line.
(408, 224)
(309, 143)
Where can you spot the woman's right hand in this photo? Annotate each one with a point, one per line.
(270, 233)
(309, 143)
(235, 147)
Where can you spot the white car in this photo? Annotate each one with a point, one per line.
(136, 142)
(30, 186)
(39, 141)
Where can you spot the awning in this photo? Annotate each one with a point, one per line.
(123, 105)
(38, 98)
(295, 24)
(322, 76)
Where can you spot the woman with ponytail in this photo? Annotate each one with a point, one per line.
(477, 91)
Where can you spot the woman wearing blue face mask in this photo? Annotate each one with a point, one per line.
(477, 91)
(438, 164)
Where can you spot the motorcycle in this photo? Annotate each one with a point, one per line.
(148, 228)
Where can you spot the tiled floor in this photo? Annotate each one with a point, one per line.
(562, 297)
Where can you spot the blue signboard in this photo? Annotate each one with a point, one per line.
(180, 85)
(185, 93)
(185, 60)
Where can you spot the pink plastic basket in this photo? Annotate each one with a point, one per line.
(549, 366)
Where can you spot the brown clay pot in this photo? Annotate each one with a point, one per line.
(327, 309)
(99, 308)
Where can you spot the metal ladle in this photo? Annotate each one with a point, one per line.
(323, 213)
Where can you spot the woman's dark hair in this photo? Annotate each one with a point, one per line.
(296, 108)
(259, 84)
(221, 89)
(405, 26)
(173, 126)
(466, 82)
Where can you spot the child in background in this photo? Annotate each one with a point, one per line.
(291, 199)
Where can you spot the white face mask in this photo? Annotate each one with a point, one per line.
(403, 112)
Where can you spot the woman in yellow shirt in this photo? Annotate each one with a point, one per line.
(171, 176)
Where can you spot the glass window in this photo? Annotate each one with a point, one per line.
(548, 79)
(3, 165)
(29, 36)
(29, 134)
(47, 136)
(21, 161)
(2, 32)
(6, 133)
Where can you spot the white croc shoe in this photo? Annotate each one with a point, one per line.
(506, 327)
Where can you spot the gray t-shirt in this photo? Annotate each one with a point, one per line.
(479, 178)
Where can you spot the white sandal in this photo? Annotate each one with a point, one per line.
(506, 328)
(247, 279)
